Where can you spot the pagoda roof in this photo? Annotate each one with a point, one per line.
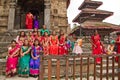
(99, 25)
(90, 4)
(92, 14)
(91, 25)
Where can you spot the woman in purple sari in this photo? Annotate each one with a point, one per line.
(35, 59)
(36, 22)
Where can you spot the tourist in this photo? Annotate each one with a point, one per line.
(36, 22)
(62, 45)
(12, 60)
(35, 58)
(54, 43)
(29, 20)
(24, 60)
(117, 45)
(44, 29)
(96, 46)
(110, 48)
(20, 39)
(77, 48)
(46, 43)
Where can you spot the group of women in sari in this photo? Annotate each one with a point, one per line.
(24, 52)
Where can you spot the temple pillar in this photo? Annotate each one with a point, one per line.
(11, 17)
(47, 13)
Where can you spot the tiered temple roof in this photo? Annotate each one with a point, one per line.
(90, 18)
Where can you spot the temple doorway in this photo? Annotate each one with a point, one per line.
(36, 7)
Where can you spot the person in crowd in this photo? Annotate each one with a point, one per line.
(62, 45)
(117, 45)
(29, 20)
(40, 38)
(96, 46)
(77, 48)
(20, 39)
(44, 29)
(35, 58)
(36, 22)
(67, 46)
(12, 60)
(30, 38)
(110, 48)
(24, 60)
(46, 43)
(35, 34)
(54, 43)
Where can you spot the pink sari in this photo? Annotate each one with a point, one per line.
(12, 62)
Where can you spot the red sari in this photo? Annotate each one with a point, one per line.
(118, 48)
(29, 21)
(11, 64)
(96, 47)
(54, 45)
(62, 45)
(46, 44)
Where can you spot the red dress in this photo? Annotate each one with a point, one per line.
(54, 45)
(62, 45)
(96, 48)
(46, 44)
(29, 21)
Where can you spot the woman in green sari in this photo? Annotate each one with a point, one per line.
(23, 69)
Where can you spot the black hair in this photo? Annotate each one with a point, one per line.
(35, 41)
(13, 41)
(21, 32)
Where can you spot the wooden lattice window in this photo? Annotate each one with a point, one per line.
(55, 11)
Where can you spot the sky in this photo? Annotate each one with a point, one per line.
(109, 5)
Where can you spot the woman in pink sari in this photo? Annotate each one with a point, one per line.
(96, 46)
(12, 60)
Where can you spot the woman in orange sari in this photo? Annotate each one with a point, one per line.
(54, 44)
(29, 20)
(46, 43)
(12, 60)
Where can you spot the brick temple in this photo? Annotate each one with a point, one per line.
(52, 13)
(91, 18)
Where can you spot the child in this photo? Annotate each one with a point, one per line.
(110, 48)
(77, 48)
(35, 58)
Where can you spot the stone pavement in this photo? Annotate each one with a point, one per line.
(17, 78)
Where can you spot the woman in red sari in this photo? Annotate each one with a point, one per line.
(96, 46)
(54, 44)
(62, 45)
(117, 45)
(29, 20)
(12, 60)
(46, 43)
(21, 38)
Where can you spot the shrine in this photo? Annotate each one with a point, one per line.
(90, 18)
(52, 13)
